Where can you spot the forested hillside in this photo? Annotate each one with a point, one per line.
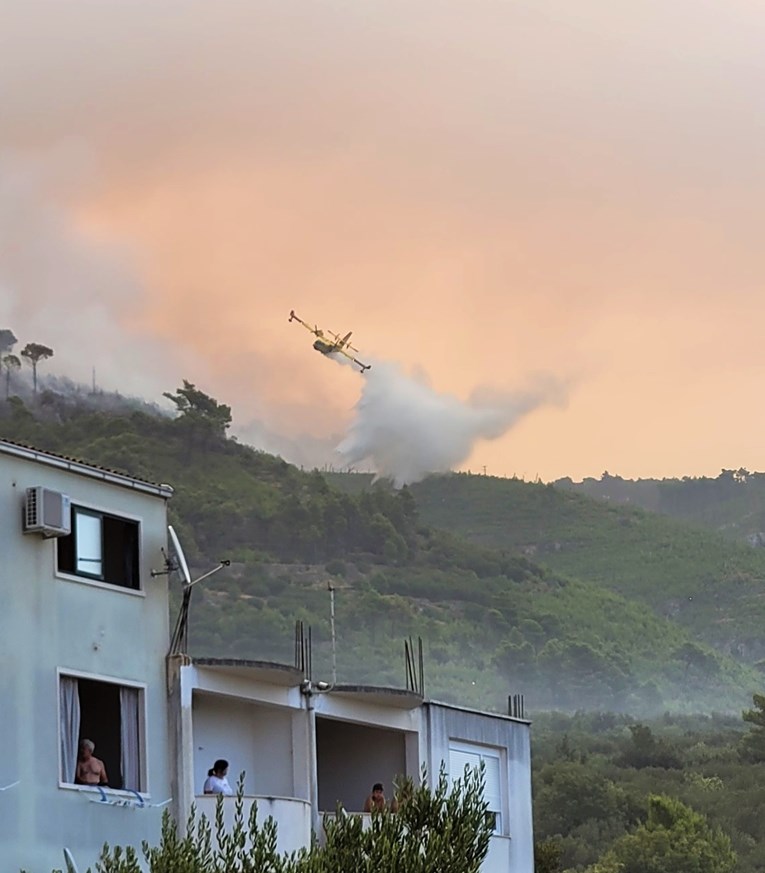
(500, 610)
(688, 573)
(595, 772)
(732, 502)
(493, 621)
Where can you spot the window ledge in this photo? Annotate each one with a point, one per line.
(100, 791)
(97, 583)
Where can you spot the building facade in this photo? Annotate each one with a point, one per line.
(84, 642)
(83, 639)
(302, 751)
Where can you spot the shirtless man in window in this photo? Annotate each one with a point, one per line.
(90, 770)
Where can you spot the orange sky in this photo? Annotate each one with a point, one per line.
(484, 191)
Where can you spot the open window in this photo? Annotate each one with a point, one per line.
(111, 716)
(101, 547)
(462, 755)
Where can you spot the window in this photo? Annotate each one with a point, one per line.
(462, 755)
(102, 547)
(111, 716)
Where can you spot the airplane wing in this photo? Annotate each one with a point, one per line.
(362, 367)
(314, 330)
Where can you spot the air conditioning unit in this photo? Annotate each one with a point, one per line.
(47, 512)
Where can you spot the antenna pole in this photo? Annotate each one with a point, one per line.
(180, 638)
(332, 630)
(222, 564)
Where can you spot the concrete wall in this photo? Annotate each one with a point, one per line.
(51, 623)
(292, 817)
(253, 738)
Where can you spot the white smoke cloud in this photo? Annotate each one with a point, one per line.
(407, 430)
(82, 296)
(301, 449)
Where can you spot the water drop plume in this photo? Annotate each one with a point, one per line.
(406, 429)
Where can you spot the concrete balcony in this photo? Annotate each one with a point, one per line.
(291, 815)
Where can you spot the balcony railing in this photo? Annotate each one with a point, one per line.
(291, 815)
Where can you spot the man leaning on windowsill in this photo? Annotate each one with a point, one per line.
(90, 770)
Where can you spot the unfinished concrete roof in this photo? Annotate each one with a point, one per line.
(267, 671)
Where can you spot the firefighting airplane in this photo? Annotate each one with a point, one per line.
(329, 343)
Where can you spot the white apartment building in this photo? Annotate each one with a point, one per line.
(84, 641)
(303, 751)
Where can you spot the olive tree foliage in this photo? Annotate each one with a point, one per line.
(445, 829)
(247, 847)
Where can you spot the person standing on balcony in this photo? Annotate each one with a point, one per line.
(216, 782)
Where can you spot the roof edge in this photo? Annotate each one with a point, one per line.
(81, 468)
(456, 706)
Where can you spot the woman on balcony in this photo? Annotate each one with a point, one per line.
(216, 782)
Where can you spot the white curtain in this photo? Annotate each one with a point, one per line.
(129, 738)
(69, 727)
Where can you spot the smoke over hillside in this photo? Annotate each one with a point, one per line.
(84, 296)
(66, 288)
(406, 429)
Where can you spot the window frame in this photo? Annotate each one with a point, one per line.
(144, 769)
(91, 509)
(498, 754)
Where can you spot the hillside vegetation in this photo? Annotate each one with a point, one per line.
(494, 621)
(693, 575)
(486, 572)
(733, 502)
(595, 775)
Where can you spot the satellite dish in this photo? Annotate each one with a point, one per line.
(177, 561)
(180, 558)
(71, 867)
